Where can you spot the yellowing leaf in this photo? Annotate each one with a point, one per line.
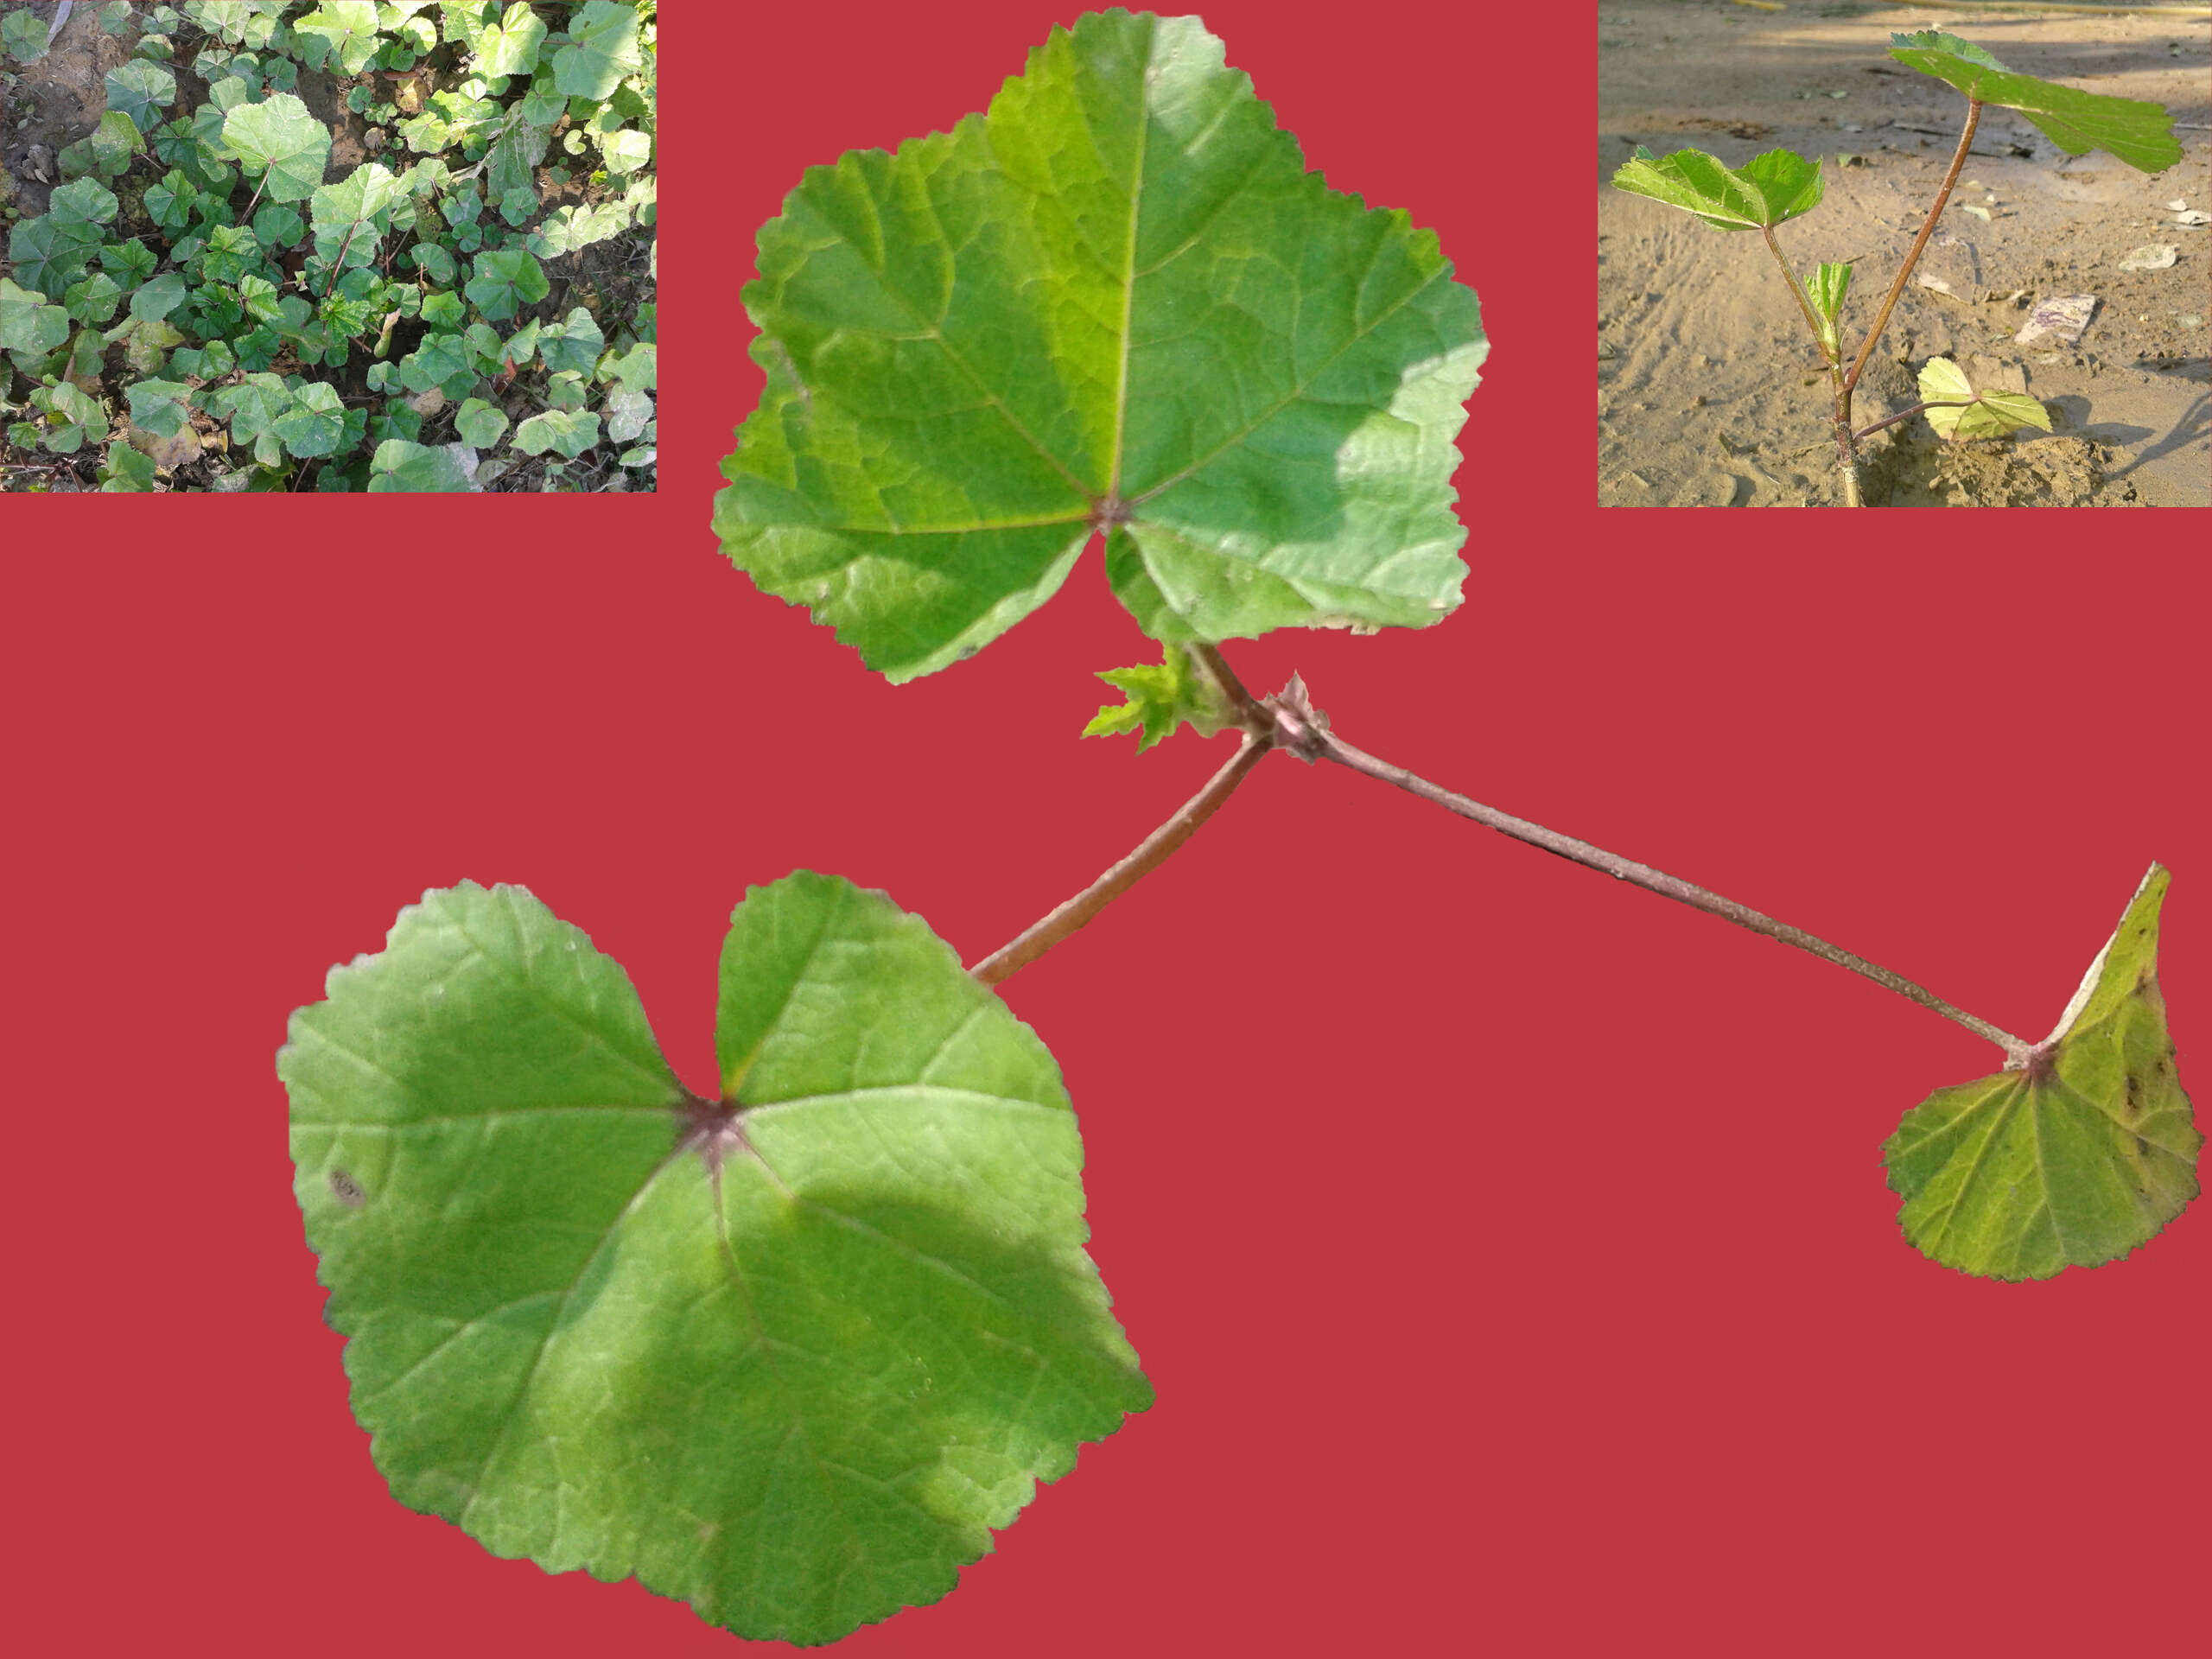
(2072, 1159)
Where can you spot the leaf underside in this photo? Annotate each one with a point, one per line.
(1116, 301)
(789, 1357)
(1767, 190)
(2075, 1159)
(2138, 133)
(1987, 413)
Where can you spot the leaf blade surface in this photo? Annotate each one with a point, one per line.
(789, 1357)
(2074, 1159)
(1116, 300)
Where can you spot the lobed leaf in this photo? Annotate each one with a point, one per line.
(788, 1355)
(2075, 1158)
(602, 48)
(141, 90)
(2138, 133)
(313, 423)
(398, 465)
(566, 430)
(282, 138)
(1767, 190)
(348, 28)
(504, 281)
(1116, 301)
(1160, 699)
(1987, 413)
(28, 323)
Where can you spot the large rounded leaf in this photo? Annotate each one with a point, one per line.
(1116, 301)
(788, 1355)
(2138, 133)
(2073, 1158)
(283, 138)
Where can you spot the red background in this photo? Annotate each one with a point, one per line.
(1509, 1248)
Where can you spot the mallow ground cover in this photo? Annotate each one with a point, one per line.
(379, 245)
(792, 1351)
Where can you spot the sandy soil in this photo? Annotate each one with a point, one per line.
(1709, 389)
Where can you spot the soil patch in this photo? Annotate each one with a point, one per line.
(1709, 389)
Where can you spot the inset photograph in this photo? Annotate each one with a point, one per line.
(1871, 255)
(328, 244)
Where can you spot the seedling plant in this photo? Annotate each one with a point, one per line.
(790, 1352)
(212, 300)
(1781, 185)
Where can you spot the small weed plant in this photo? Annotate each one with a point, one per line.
(220, 295)
(792, 1350)
(1781, 185)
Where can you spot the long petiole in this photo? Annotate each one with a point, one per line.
(1907, 414)
(1287, 721)
(1299, 731)
(1912, 258)
(1148, 853)
(1797, 292)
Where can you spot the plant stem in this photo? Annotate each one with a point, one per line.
(1907, 414)
(1299, 731)
(1034, 941)
(257, 189)
(1797, 292)
(1912, 258)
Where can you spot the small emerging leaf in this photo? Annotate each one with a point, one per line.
(1161, 698)
(2138, 133)
(1825, 291)
(1766, 190)
(2074, 1159)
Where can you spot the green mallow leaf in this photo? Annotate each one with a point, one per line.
(1766, 190)
(161, 407)
(575, 344)
(795, 1352)
(93, 301)
(169, 203)
(126, 469)
(399, 465)
(141, 90)
(113, 142)
(82, 206)
(28, 323)
(1116, 301)
(434, 261)
(1160, 699)
(504, 282)
(602, 48)
(2074, 1157)
(557, 429)
(253, 407)
(2139, 133)
(130, 262)
(349, 28)
(278, 226)
(625, 151)
(1986, 414)
(49, 255)
(314, 422)
(23, 36)
(479, 423)
(510, 45)
(283, 138)
(156, 299)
